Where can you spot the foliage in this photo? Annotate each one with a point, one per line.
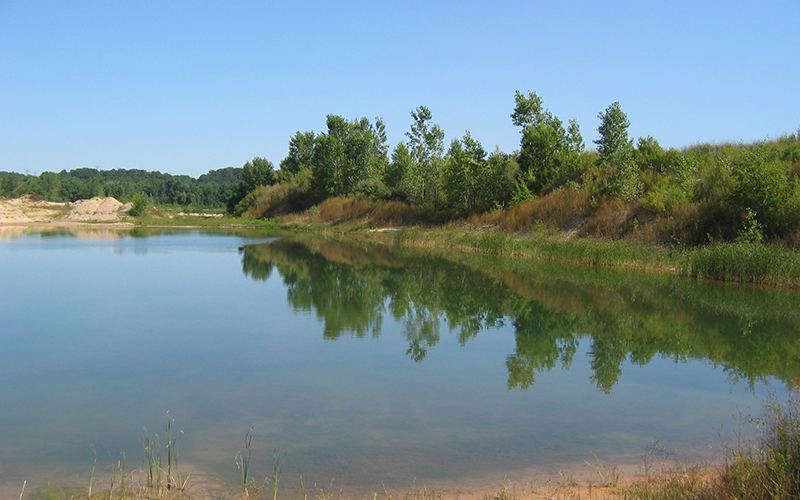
(255, 173)
(549, 154)
(349, 156)
(616, 155)
(704, 194)
(426, 149)
(212, 189)
(141, 205)
(464, 172)
(763, 187)
(301, 151)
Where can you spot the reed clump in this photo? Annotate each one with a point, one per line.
(744, 261)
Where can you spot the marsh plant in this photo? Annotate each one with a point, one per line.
(161, 460)
(277, 469)
(243, 460)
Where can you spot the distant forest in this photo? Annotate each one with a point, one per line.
(211, 190)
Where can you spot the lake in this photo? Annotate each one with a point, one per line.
(366, 364)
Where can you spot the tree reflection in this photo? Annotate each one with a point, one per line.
(626, 317)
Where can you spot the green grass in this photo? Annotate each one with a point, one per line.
(745, 262)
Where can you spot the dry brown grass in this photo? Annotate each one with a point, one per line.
(276, 200)
(555, 210)
(393, 213)
(611, 219)
(365, 211)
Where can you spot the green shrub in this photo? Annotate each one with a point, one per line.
(141, 205)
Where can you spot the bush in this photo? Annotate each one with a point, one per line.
(141, 205)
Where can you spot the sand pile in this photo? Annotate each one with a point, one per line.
(29, 209)
(33, 210)
(97, 209)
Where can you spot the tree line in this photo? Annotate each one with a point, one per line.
(212, 189)
(697, 194)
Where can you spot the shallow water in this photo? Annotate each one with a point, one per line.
(366, 364)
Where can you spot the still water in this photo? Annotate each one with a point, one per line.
(365, 363)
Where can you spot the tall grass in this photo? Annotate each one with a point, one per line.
(766, 468)
(555, 210)
(157, 477)
(744, 262)
(243, 461)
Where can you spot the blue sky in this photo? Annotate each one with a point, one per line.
(187, 87)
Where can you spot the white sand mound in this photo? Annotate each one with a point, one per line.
(96, 209)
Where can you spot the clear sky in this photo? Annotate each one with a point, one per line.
(184, 87)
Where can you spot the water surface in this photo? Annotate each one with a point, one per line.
(366, 363)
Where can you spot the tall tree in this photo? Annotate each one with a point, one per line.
(395, 175)
(549, 153)
(426, 146)
(349, 156)
(614, 147)
(255, 173)
(301, 151)
(615, 152)
(464, 172)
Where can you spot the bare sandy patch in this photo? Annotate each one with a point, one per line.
(31, 211)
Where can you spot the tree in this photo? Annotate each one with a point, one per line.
(614, 147)
(463, 173)
(349, 157)
(528, 111)
(549, 153)
(426, 147)
(257, 172)
(301, 151)
(394, 176)
(615, 152)
(50, 186)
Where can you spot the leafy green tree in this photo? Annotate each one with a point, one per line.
(50, 186)
(496, 189)
(463, 173)
(258, 172)
(549, 153)
(528, 110)
(255, 173)
(649, 155)
(614, 147)
(141, 205)
(615, 152)
(426, 147)
(765, 192)
(301, 152)
(349, 156)
(394, 176)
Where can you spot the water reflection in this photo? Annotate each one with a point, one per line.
(751, 333)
